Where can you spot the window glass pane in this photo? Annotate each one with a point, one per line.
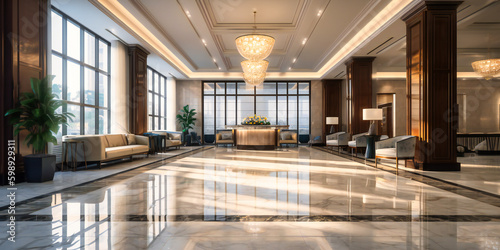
(244, 88)
(89, 126)
(59, 132)
(162, 86)
(282, 110)
(150, 123)
(73, 40)
(89, 48)
(266, 106)
(156, 104)
(231, 88)
(73, 83)
(292, 88)
(103, 121)
(268, 88)
(245, 107)
(304, 115)
(231, 110)
(56, 32)
(220, 112)
(209, 115)
(150, 80)
(282, 88)
(56, 69)
(89, 79)
(304, 88)
(150, 103)
(103, 90)
(220, 88)
(74, 126)
(162, 106)
(208, 88)
(292, 112)
(103, 56)
(157, 85)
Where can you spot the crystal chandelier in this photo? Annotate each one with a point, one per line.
(254, 79)
(487, 68)
(254, 67)
(255, 47)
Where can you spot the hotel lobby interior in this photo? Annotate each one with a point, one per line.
(250, 124)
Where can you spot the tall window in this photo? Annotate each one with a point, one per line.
(80, 63)
(157, 100)
(283, 103)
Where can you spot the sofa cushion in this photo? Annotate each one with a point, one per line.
(116, 140)
(387, 152)
(131, 139)
(176, 142)
(137, 149)
(117, 152)
(352, 144)
(332, 142)
(174, 136)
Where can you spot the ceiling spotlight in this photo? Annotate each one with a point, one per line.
(294, 60)
(215, 60)
(320, 12)
(304, 41)
(220, 68)
(203, 41)
(289, 68)
(188, 14)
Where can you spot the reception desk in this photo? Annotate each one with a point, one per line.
(257, 137)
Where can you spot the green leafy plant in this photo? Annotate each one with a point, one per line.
(186, 118)
(36, 113)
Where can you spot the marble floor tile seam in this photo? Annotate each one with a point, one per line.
(469, 192)
(259, 218)
(149, 165)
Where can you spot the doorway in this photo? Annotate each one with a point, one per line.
(386, 103)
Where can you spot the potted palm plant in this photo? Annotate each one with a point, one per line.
(36, 113)
(186, 120)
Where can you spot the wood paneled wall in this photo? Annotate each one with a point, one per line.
(431, 59)
(332, 101)
(24, 46)
(138, 89)
(359, 91)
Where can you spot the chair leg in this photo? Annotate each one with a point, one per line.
(397, 165)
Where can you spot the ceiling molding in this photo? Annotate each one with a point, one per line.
(208, 14)
(147, 14)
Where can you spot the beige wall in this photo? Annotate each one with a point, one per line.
(119, 88)
(316, 109)
(189, 92)
(479, 105)
(397, 87)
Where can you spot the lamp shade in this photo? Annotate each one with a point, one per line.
(372, 114)
(332, 120)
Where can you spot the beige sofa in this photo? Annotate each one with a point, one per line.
(102, 148)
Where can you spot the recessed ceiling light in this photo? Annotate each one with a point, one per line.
(289, 68)
(215, 60)
(203, 41)
(294, 60)
(304, 41)
(188, 14)
(220, 68)
(320, 12)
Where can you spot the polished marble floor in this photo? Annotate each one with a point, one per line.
(222, 198)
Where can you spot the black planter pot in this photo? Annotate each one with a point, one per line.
(39, 167)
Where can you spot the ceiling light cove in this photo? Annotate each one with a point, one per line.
(150, 40)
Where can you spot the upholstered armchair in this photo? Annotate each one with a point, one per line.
(339, 140)
(225, 137)
(287, 137)
(358, 141)
(399, 147)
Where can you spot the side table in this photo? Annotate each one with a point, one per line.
(73, 144)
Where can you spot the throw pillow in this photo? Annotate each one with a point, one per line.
(226, 136)
(176, 137)
(131, 139)
(286, 136)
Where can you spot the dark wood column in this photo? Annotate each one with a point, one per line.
(138, 89)
(23, 54)
(431, 68)
(359, 93)
(332, 103)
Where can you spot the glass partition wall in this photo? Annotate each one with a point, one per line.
(283, 103)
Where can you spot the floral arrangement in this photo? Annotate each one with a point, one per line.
(255, 120)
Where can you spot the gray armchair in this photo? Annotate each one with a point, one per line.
(400, 147)
(358, 141)
(339, 140)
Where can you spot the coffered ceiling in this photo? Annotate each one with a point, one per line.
(313, 37)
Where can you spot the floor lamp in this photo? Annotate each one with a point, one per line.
(332, 121)
(372, 115)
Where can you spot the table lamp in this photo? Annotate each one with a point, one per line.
(332, 121)
(372, 115)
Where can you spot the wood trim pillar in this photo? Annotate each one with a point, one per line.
(359, 93)
(138, 89)
(431, 85)
(332, 104)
